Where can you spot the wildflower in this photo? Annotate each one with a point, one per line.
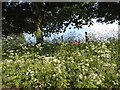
(91, 59)
(108, 41)
(55, 60)
(93, 47)
(54, 75)
(93, 75)
(28, 52)
(87, 60)
(81, 76)
(87, 64)
(11, 51)
(107, 64)
(35, 79)
(81, 64)
(99, 82)
(87, 47)
(75, 53)
(104, 46)
(58, 68)
(59, 57)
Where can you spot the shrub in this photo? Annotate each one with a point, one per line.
(86, 65)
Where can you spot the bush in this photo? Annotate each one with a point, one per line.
(86, 65)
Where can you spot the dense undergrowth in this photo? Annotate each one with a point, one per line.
(86, 65)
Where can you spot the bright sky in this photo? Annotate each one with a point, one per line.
(99, 30)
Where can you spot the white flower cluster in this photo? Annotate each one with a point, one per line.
(106, 56)
(93, 75)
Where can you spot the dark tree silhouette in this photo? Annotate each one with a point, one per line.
(44, 18)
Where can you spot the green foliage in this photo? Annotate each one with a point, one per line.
(56, 16)
(86, 65)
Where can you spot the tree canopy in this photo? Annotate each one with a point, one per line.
(51, 17)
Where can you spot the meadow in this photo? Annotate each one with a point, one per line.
(61, 65)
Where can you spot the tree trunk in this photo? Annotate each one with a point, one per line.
(39, 36)
(39, 40)
(38, 18)
(39, 31)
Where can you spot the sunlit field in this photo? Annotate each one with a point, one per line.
(61, 65)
